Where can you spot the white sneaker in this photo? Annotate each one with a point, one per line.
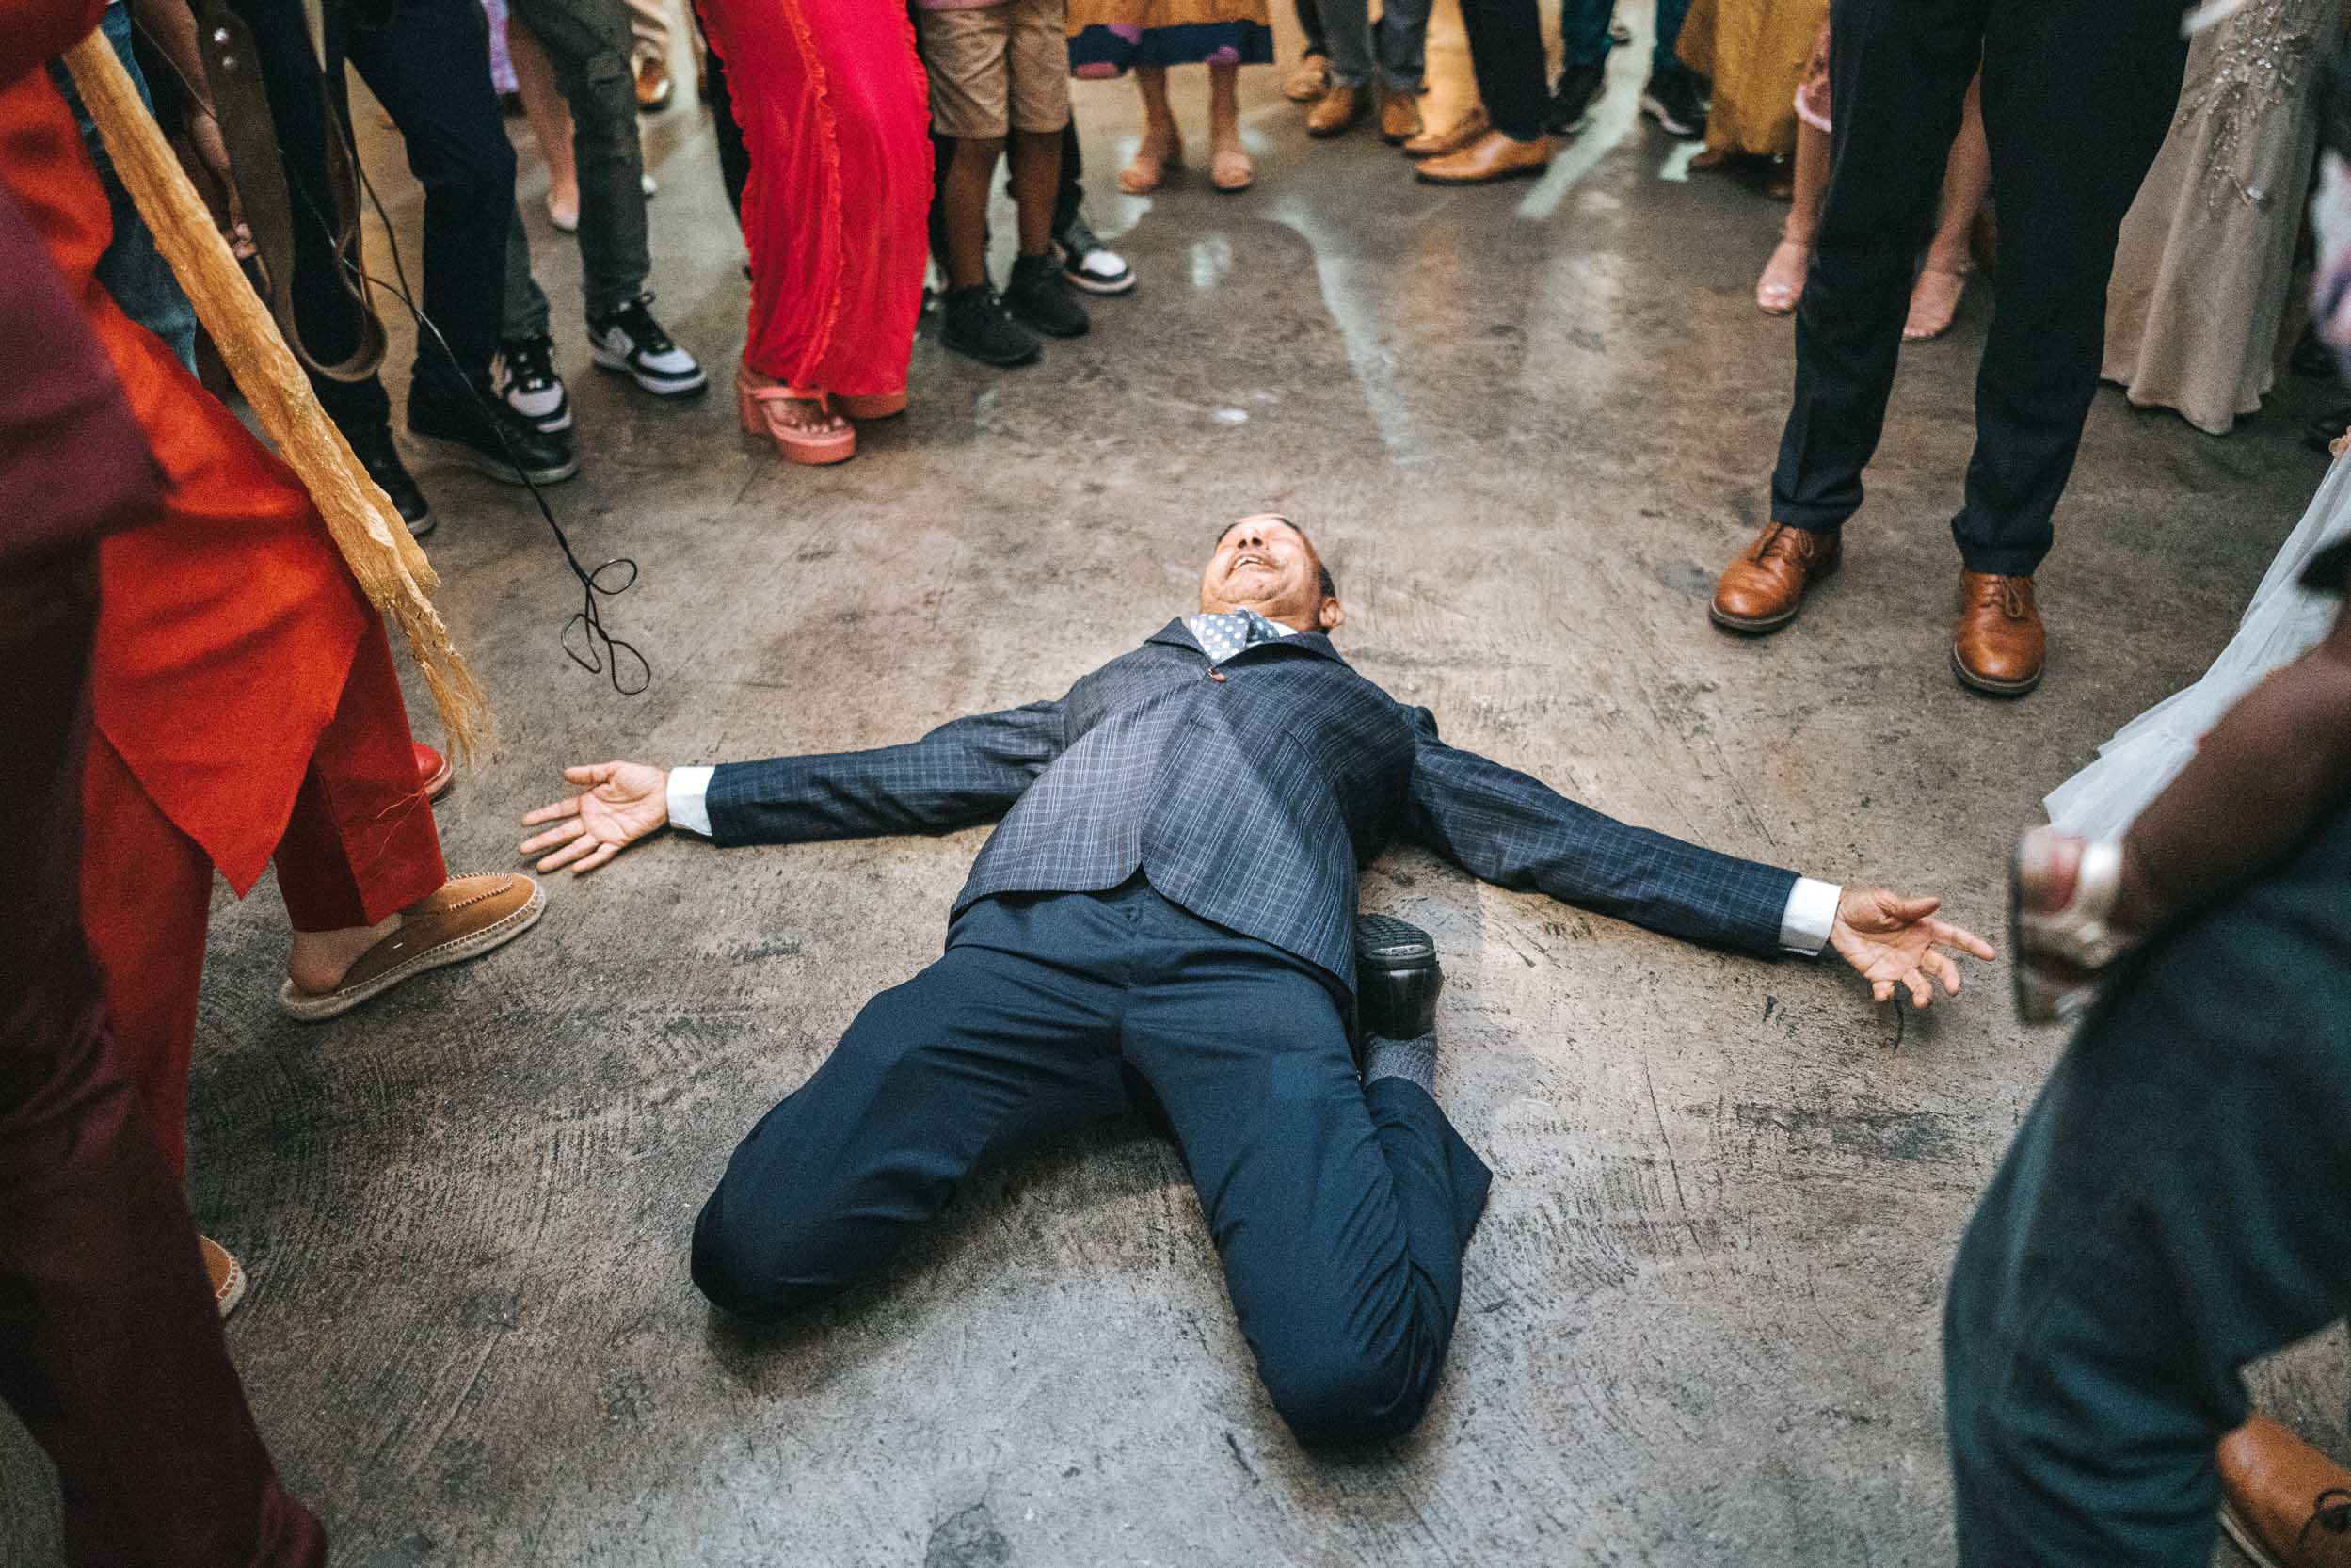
(528, 382)
(1090, 265)
(629, 342)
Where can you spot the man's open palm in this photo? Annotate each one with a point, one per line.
(1895, 940)
(621, 803)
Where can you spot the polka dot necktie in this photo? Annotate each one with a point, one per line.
(1223, 635)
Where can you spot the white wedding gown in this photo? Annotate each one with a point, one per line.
(2284, 621)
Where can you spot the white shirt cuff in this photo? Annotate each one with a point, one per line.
(1804, 925)
(689, 808)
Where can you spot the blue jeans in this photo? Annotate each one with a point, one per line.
(1584, 29)
(1340, 1211)
(131, 270)
(1394, 50)
(2172, 1210)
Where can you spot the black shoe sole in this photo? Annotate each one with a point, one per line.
(498, 467)
(948, 339)
(1750, 627)
(1975, 683)
(421, 527)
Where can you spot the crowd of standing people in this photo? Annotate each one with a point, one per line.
(234, 704)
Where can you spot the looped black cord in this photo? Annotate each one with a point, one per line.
(584, 639)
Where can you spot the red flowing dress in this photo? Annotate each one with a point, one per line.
(835, 114)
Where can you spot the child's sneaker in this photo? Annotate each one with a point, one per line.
(979, 328)
(1090, 265)
(1039, 294)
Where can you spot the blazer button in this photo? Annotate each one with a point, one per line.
(1215, 675)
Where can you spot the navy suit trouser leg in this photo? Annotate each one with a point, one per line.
(1340, 1213)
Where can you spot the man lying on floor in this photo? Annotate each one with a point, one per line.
(1169, 901)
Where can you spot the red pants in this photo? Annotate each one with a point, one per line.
(361, 845)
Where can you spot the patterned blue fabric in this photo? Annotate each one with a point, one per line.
(1250, 794)
(1224, 634)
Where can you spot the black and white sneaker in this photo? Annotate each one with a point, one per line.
(1089, 263)
(1579, 87)
(1671, 100)
(489, 437)
(528, 382)
(1039, 295)
(629, 342)
(373, 449)
(978, 325)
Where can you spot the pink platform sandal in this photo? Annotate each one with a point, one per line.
(1783, 281)
(870, 404)
(758, 401)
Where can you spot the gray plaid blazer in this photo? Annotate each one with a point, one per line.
(1250, 794)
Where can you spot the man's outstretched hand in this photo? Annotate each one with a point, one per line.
(621, 803)
(1895, 939)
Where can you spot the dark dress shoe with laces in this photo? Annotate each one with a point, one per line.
(1763, 589)
(2000, 644)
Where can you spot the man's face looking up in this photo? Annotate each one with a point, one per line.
(1263, 562)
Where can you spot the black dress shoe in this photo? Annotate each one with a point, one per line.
(486, 436)
(1671, 100)
(2322, 433)
(1572, 101)
(1396, 979)
(372, 447)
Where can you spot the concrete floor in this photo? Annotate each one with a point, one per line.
(1529, 424)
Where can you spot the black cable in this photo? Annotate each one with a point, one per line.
(588, 619)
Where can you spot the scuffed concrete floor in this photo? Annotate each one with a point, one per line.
(1528, 424)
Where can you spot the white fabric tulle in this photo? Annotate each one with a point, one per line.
(2284, 621)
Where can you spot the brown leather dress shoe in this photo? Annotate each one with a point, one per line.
(1400, 117)
(467, 917)
(2000, 644)
(1762, 590)
(1338, 111)
(1433, 143)
(2285, 1504)
(1491, 156)
(1308, 80)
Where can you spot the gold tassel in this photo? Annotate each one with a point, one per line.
(386, 561)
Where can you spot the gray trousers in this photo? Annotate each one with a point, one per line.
(589, 44)
(2172, 1209)
(1393, 49)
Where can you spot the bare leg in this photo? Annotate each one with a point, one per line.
(1162, 146)
(550, 118)
(964, 209)
(1229, 166)
(1783, 281)
(1935, 297)
(1036, 186)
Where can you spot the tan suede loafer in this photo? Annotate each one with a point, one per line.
(467, 917)
(1434, 143)
(1337, 112)
(2000, 643)
(1491, 156)
(1762, 590)
(225, 1275)
(1400, 117)
(2285, 1504)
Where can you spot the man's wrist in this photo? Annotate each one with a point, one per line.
(1810, 916)
(686, 792)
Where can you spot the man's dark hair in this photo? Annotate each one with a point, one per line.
(1323, 579)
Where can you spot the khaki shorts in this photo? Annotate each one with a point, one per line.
(997, 68)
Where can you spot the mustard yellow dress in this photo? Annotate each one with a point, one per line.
(1756, 52)
(1108, 37)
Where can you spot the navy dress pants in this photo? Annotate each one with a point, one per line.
(2172, 1209)
(1340, 1211)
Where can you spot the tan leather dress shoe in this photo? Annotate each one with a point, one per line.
(1308, 80)
(1491, 156)
(1762, 590)
(467, 917)
(1434, 143)
(1338, 111)
(2000, 645)
(2285, 1504)
(224, 1274)
(1400, 117)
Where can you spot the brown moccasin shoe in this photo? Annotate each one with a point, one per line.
(1491, 156)
(1762, 590)
(2283, 1501)
(1436, 144)
(223, 1273)
(1337, 112)
(2000, 643)
(467, 917)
